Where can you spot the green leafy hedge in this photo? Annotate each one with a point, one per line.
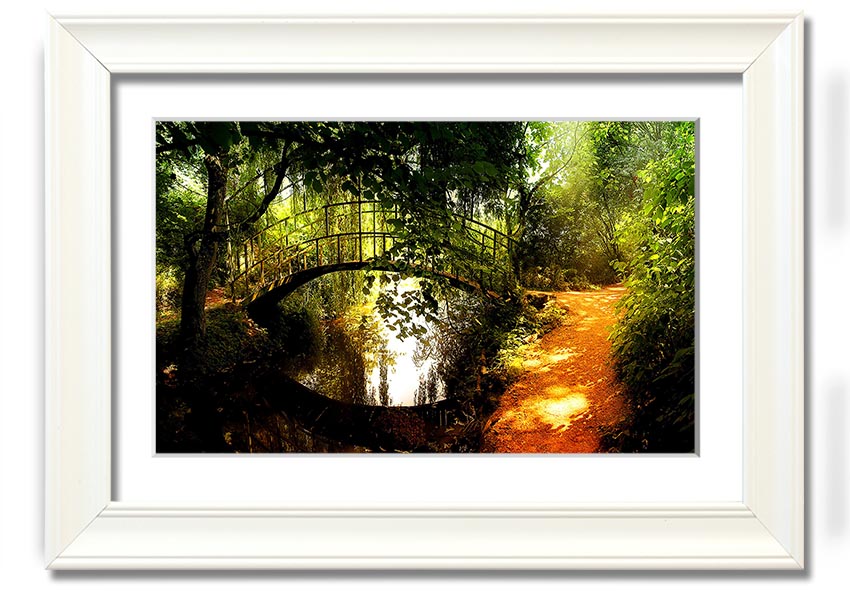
(653, 344)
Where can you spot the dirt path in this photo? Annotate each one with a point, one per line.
(568, 391)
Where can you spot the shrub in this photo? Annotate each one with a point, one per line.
(653, 344)
(295, 328)
(232, 338)
(551, 316)
(580, 283)
(169, 285)
(518, 333)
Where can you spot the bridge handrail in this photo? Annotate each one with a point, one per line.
(294, 248)
(254, 257)
(325, 208)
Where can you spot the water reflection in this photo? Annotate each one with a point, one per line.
(363, 360)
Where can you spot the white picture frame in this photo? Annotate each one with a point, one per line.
(86, 529)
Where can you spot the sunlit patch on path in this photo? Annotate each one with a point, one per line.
(560, 409)
(568, 391)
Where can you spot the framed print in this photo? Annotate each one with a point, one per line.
(443, 512)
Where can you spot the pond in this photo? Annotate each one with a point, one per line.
(364, 359)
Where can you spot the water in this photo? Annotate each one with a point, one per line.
(364, 361)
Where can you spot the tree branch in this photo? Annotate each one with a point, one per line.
(280, 170)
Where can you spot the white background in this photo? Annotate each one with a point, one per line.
(312, 480)
(21, 335)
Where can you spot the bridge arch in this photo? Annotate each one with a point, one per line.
(265, 299)
(287, 253)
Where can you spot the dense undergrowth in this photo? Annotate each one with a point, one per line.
(653, 344)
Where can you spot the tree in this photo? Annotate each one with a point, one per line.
(425, 171)
(218, 144)
(587, 189)
(548, 226)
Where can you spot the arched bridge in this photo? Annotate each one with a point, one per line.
(349, 235)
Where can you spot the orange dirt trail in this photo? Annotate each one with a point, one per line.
(568, 391)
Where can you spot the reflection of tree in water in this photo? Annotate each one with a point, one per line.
(425, 357)
(340, 370)
(384, 385)
(360, 363)
(429, 390)
(353, 348)
(457, 340)
(425, 347)
(433, 387)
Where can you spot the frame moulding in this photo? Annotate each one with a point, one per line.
(85, 529)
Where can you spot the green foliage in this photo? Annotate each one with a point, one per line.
(232, 339)
(424, 172)
(292, 333)
(548, 278)
(168, 287)
(179, 211)
(465, 339)
(550, 317)
(333, 294)
(295, 328)
(575, 208)
(213, 137)
(402, 307)
(520, 331)
(653, 344)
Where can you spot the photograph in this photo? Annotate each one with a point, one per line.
(425, 286)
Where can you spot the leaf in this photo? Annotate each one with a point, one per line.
(220, 135)
(350, 188)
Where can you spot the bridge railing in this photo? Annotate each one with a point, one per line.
(356, 232)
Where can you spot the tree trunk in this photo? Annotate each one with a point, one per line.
(202, 259)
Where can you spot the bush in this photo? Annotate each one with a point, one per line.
(551, 316)
(580, 283)
(519, 332)
(169, 284)
(295, 328)
(232, 338)
(545, 279)
(653, 344)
